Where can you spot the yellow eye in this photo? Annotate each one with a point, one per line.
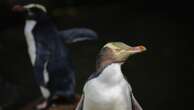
(118, 50)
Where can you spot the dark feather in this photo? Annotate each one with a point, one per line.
(78, 34)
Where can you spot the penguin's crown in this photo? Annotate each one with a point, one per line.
(41, 7)
(117, 45)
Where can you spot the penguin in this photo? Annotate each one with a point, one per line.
(107, 88)
(50, 58)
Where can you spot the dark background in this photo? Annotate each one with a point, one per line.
(161, 77)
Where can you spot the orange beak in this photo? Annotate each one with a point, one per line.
(137, 49)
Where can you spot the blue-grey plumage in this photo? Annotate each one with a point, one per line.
(78, 34)
(53, 68)
(107, 89)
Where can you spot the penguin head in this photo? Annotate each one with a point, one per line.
(32, 11)
(119, 51)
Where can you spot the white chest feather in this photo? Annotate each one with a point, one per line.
(29, 26)
(109, 91)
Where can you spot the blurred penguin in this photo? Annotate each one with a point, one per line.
(53, 68)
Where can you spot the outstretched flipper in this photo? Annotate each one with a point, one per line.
(135, 104)
(78, 34)
(80, 104)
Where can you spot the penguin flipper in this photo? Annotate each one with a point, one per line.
(78, 34)
(80, 104)
(135, 104)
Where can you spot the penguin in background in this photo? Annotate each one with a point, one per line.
(53, 68)
(107, 88)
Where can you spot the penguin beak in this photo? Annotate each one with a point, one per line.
(18, 8)
(137, 49)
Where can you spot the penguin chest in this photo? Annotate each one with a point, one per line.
(102, 97)
(30, 24)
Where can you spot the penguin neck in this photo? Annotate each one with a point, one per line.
(112, 74)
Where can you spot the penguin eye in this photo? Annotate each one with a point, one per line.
(118, 50)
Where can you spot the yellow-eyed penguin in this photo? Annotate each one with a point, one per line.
(107, 89)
